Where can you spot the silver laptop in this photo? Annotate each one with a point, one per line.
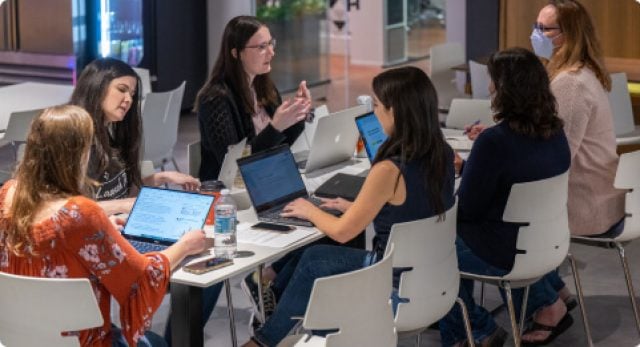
(334, 140)
(160, 216)
(229, 168)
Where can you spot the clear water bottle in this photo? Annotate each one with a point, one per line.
(224, 243)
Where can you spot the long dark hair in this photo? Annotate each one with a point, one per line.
(229, 69)
(126, 135)
(416, 135)
(523, 97)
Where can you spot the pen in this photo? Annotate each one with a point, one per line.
(471, 126)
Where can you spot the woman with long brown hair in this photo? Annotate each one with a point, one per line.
(49, 228)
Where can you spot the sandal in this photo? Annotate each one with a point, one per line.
(561, 327)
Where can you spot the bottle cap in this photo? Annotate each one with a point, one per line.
(224, 191)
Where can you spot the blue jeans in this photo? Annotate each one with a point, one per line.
(451, 326)
(209, 298)
(150, 339)
(315, 262)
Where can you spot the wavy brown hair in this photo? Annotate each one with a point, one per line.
(125, 136)
(523, 96)
(54, 166)
(581, 45)
(229, 69)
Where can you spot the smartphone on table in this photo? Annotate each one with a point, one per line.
(273, 227)
(207, 265)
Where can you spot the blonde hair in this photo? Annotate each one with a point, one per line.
(581, 45)
(54, 166)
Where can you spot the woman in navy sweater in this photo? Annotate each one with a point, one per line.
(527, 144)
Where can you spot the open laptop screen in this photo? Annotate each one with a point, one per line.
(372, 134)
(163, 215)
(271, 177)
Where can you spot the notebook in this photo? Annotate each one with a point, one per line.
(334, 140)
(371, 132)
(273, 180)
(160, 216)
(229, 168)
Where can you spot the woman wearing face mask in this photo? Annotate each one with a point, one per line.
(564, 34)
(109, 90)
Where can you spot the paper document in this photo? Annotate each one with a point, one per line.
(459, 143)
(271, 238)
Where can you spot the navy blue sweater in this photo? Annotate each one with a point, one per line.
(499, 158)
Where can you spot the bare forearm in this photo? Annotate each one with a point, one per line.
(175, 254)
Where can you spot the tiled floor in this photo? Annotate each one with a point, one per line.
(610, 315)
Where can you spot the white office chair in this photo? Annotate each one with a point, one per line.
(145, 80)
(303, 142)
(480, 80)
(627, 133)
(626, 178)
(36, 310)
(543, 239)
(465, 112)
(18, 129)
(356, 303)
(194, 156)
(160, 118)
(443, 57)
(427, 246)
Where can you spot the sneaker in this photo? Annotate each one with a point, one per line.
(250, 287)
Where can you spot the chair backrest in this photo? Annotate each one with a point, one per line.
(467, 111)
(160, 118)
(194, 157)
(627, 178)
(19, 124)
(620, 101)
(543, 239)
(34, 310)
(357, 303)
(427, 246)
(442, 58)
(480, 80)
(145, 78)
(305, 139)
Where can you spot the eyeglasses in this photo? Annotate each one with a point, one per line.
(262, 48)
(542, 28)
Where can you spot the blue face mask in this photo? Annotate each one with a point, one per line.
(542, 45)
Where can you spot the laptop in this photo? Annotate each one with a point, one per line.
(160, 216)
(341, 185)
(273, 180)
(371, 132)
(229, 168)
(334, 140)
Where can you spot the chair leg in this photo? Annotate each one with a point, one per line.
(583, 311)
(467, 323)
(482, 294)
(523, 309)
(418, 339)
(512, 314)
(627, 276)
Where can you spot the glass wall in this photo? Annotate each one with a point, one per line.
(299, 27)
(426, 23)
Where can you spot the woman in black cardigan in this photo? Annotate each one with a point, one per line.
(239, 100)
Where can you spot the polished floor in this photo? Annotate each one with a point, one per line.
(611, 318)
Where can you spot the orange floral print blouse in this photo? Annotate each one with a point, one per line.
(79, 241)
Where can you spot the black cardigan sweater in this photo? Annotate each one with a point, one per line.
(222, 123)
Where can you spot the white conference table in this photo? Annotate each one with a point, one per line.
(187, 288)
(31, 96)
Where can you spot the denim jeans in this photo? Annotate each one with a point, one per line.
(451, 326)
(150, 339)
(209, 298)
(315, 262)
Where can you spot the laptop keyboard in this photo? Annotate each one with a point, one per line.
(273, 215)
(146, 247)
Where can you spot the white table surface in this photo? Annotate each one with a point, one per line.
(30, 96)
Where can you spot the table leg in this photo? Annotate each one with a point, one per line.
(186, 315)
(261, 316)
(232, 319)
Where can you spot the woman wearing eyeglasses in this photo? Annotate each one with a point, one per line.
(564, 35)
(239, 100)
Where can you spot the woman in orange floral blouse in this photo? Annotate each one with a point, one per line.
(48, 228)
